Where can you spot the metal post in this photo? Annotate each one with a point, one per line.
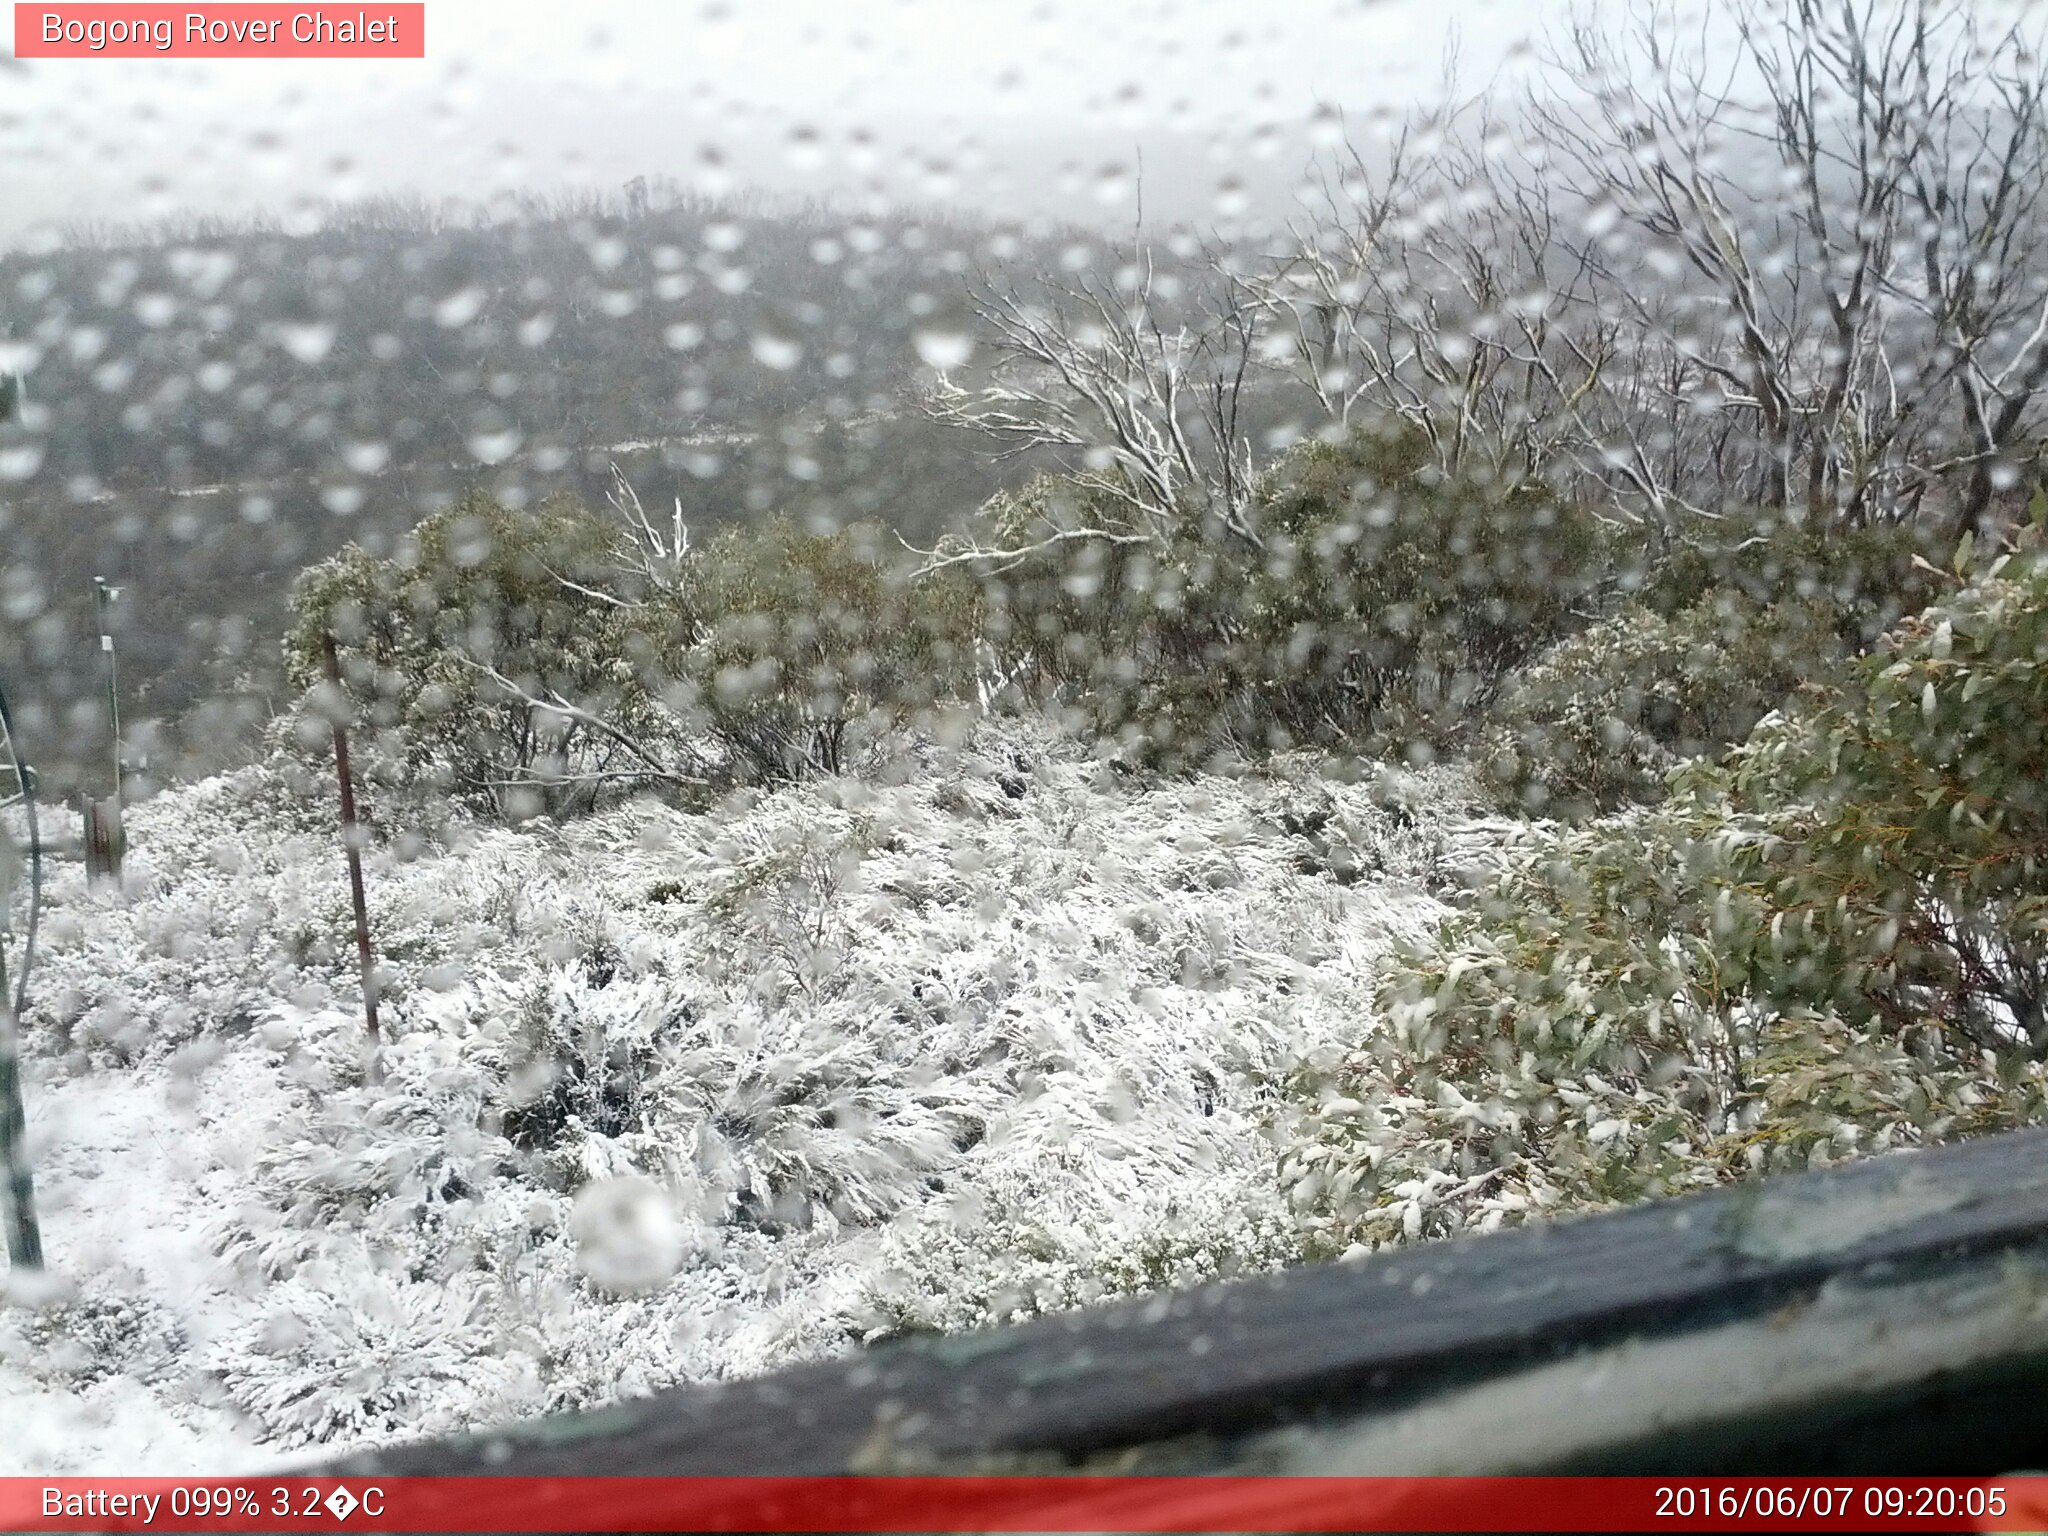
(106, 838)
(24, 1236)
(351, 837)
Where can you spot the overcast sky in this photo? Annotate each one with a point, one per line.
(1016, 107)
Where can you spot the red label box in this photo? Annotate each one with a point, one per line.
(364, 29)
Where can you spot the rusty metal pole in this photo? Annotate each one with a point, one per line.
(106, 840)
(351, 837)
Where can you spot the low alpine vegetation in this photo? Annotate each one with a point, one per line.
(1832, 943)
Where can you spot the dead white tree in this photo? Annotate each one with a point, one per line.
(1434, 291)
(1793, 260)
(1135, 390)
(1842, 209)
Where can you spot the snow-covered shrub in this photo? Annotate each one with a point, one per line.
(582, 1063)
(214, 920)
(1601, 718)
(1834, 944)
(89, 1338)
(345, 1355)
(993, 1033)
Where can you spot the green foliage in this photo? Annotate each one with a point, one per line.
(1869, 577)
(1725, 624)
(1364, 594)
(1836, 942)
(527, 661)
(1601, 719)
(1914, 819)
(447, 646)
(813, 644)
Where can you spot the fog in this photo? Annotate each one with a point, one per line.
(1046, 112)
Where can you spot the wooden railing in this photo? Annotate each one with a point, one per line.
(1886, 1317)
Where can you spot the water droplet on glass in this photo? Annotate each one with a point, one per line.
(494, 446)
(778, 352)
(459, 308)
(20, 460)
(365, 458)
(626, 1234)
(942, 347)
(805, 151)
(309, 342)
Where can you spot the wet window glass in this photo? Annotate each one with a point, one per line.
(692, 689)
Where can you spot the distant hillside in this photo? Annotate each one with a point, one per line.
(213, 407)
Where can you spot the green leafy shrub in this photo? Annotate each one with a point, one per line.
(1601, 719)
(1366, 594)
(1868, 577)
(1729, 616)
(483, 663)
(1912, 816)
(1835, 943)
(523, 661)
(813, 646)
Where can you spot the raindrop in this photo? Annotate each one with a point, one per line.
(942, 347)
(805, 152)
(469, 543)
(627, 1238)
(778, 352)
(20, 460)
(494, 446)
(365, 458)
(459, 308)
(309, 343)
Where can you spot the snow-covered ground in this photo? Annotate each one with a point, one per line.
(666, 1096)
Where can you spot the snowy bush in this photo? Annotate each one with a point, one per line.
(994, 1033)
(82, 1340)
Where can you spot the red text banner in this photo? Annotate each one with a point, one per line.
(236, 30)
(750, 1504)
